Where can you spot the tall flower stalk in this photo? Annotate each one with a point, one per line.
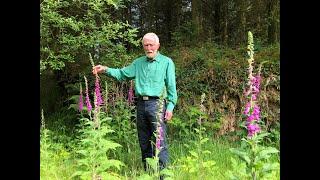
(88, 104)
(106, 97)
(154, 163)
(159, 137)
(130, 93)
(98, 96)
(252, 109)
(98, 101)
(253, 154)
(80, 99)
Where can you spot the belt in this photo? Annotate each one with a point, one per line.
(146, 98)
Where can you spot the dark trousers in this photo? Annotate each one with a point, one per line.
(147, 112)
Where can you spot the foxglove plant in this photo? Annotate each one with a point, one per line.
(94, 162)
(252, 110)
(154, 162)
(255, 155)
(130, 93)
(98, 96)
(89, 107)
(159, 137)
(80, 99)
(106, 97)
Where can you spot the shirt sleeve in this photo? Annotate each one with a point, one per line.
(126, 73)
(170, 81)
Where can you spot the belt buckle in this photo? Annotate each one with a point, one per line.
(145, 98)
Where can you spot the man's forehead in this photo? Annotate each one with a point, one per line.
(149, 41)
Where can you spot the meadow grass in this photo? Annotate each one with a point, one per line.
(62, 163)
(58, 159)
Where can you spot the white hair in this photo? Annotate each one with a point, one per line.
(152, 36)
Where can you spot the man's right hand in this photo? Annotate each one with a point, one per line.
(99, 69)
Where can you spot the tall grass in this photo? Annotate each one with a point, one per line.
(59, 163)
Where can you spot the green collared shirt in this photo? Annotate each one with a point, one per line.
(152, 78)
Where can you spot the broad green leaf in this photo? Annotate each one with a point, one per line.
(243, 155)
(194, 154)
(204, 140)
(264, 154)
(269, 167)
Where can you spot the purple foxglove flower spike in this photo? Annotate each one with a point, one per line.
(99, 100)
(89, 107)
(80, 100)
(130, 94)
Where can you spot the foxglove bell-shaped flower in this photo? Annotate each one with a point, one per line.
(89, 107)
(80, 101)
(159, 137)
(130, 94)
(99, 100)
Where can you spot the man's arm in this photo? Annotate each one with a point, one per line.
(171, 89)
(127, 72)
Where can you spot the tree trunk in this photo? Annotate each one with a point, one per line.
(273, 15)
(225, 23)
(242, 22)
(197, 18)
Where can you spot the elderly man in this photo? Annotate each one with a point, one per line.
(155, 88)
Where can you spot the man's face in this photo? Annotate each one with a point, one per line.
(150, 47)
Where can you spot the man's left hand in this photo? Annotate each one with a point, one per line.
(168, 115)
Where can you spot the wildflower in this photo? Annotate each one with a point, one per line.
(253, 129)
(99, 99)
(159, 137)
(250, 118)
(252, 110)
(256, 110)
(80, 100)
(89, 107)
(130, 94)
(254, 97)
(247, 108)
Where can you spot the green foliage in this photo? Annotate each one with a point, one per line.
(55, 159)
(94, 149)
(197, 164)
(184, 128)
(54, 155)
(69, 30)
(184, 35)
(62, 123)
(178, 127)
(256, 157)
(219, 72)
(122, 120)
(273, 139)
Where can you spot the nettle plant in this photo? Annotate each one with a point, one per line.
(153, 166)
(256, 157)
(95, 146)
(196, 165)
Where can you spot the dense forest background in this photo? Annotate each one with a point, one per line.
(212, 44)
(206, 39)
